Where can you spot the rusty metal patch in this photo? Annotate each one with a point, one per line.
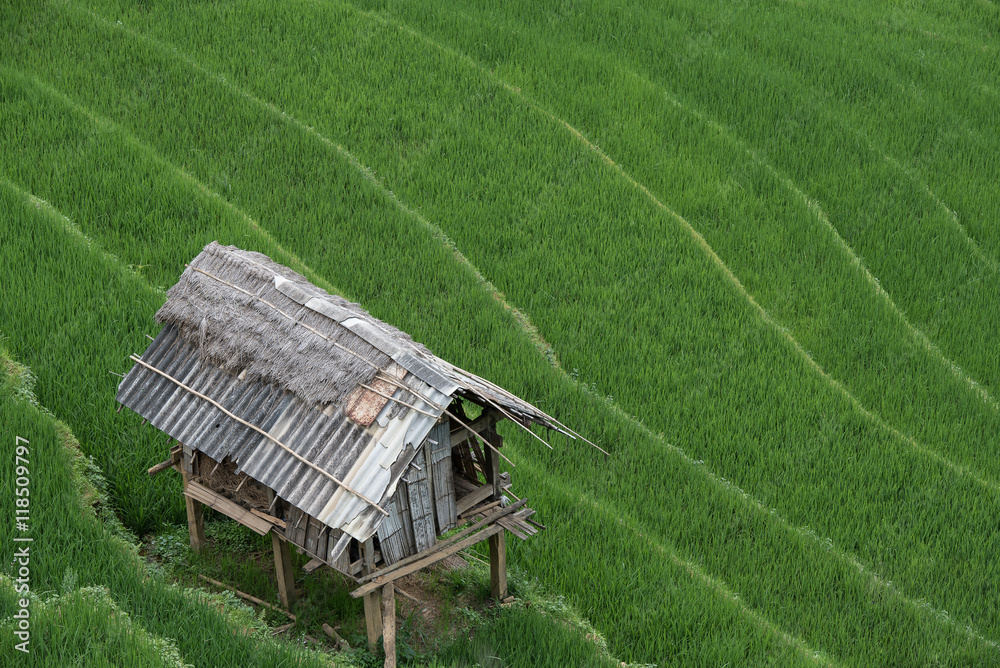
(363, 405)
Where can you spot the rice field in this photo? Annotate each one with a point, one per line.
(749, 250)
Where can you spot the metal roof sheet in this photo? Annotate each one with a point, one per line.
(368, 459)
(308, 393)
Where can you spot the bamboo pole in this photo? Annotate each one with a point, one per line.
(262, 433)
(252, 599)
(474, 433)
(508, 415)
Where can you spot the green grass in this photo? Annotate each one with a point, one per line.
(92, 600)
(806, 481)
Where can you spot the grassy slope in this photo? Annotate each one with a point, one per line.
(78, 384)
(138, 618)
(861, 132)
(754, 543)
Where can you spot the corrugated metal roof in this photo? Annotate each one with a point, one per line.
(368, 459)
(306, 392)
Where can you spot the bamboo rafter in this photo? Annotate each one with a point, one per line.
(263, 433)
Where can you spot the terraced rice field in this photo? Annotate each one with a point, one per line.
(749, 249)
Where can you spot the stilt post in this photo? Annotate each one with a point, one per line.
(498, 565)
(283, 569)
(389, 624)
(373, 601)
(497, 542)
(195, 510)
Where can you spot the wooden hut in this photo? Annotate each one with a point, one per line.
(298, 414)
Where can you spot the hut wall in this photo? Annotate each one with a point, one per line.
(392, 534)
(437, 451)
(421, 504)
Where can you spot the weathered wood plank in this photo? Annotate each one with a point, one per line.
(197, 493)
(421, 508)
(373, 599)
(492, 469)
(283, 569)
(439, 456)
(195, 515)
(389, 625)
(513, 528)
(391, 534)
(489, 519)
(173, 462)
(479, 509)
(313, 565)
(498, 565)
(469, 500)
(312, 534)
(462, 484)
(269, 518)
(324, 533)
(459, 433)
(432, 558)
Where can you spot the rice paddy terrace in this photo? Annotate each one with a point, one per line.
(751, 250)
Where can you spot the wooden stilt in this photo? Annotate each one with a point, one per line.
(195, 517)
(373, 601)
(498, 565)
(493, 461)
(283, 569)
(389, 624)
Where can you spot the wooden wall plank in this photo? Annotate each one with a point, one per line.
(438, 452)
(421, 507)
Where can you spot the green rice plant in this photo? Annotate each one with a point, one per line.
(800, 269)
(92, 601)
(842, 539)
(723, 64)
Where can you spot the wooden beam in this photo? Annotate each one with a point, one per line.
(489, 417)
(479, 509)
(269, 518)
(373, 598)
(173, 462)
(426, 561)
(493, 462)
(195, 516)
(313, 564)
(199, 494)
(498, 565)
(283, 569)
(469, 500)
(389, 625)
(489, 519)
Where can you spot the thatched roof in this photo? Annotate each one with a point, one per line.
(305, 391)
(250, 315)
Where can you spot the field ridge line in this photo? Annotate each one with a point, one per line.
(74, 230)
(959, 40)
(912, 174)
(816, 209)
(179, 172)
(713, 256)
(522, 319)
(697, 572)
(699, 467)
